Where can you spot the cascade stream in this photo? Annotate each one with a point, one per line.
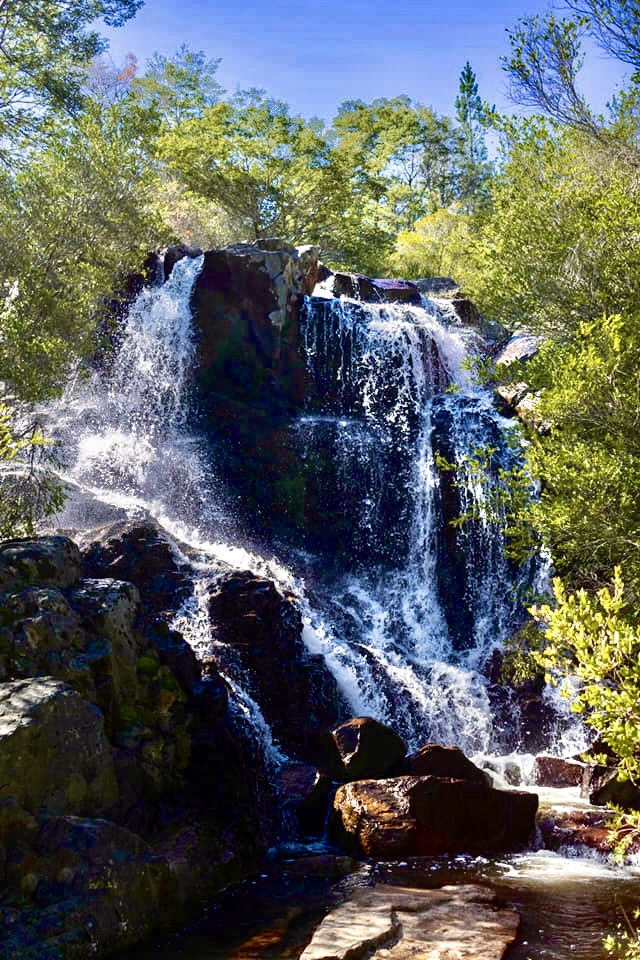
(408, 612)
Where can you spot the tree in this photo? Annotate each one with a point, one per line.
(180, 87)
(547, 55)
(44, 48)
(556, 246)
(271, 170)
(473, 117)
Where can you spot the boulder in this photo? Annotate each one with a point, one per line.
(246, 305)
(557, 772)
(140, 553)
(433, 760)
(52, 561)
(305, 791)
(463, 922)
(520, 348)
(363, 749)
(428, 816)
(356, 286)
(54, 756)
(600, 785)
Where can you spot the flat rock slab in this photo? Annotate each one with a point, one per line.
(397, 923)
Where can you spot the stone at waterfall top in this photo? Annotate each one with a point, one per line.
(397, 923)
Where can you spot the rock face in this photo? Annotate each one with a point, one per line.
(47, 561)
(428, 816)
(297, 694)
(246, 304)
(124, 790)
(54, 756)
(397, 923)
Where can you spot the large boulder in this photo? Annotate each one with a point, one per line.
(247, 301)
(54, 755)
(139, 552)
(362, 749)
(428, 816)
(434, 760)
(52, 561)
(304, 791)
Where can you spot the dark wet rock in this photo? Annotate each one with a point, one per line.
(600, 785)
(247, 301)
(356, 286)
(305, 791)
(361, 749)
(428, 816)
(263, 627)
(464, 922)
(140, 553)
(433, 760)
(578, 829)
(557, 772)
(52, 561)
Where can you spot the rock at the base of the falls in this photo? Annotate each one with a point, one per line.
(361, 749)
(305, 791)
(296, 692)
(579, 831)
(551, 771)
(434, 760)
(600, 786)
(428, 816)
(455, 922)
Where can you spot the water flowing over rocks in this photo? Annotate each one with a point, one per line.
(396, 923)
(127, 798)
(244, 414)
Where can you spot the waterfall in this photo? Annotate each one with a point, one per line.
(123, 433)
(405, 610)
(410, 624)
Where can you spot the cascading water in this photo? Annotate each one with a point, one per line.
(417, 610)
(129, 453)
(406, 613)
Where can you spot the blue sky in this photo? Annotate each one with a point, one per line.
(315, 55)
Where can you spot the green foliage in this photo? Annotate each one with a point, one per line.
(179, 87)
(434, 247)
(44, 48)
(74, 220)
(559, 244)
(595, 639)
(588, 511)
